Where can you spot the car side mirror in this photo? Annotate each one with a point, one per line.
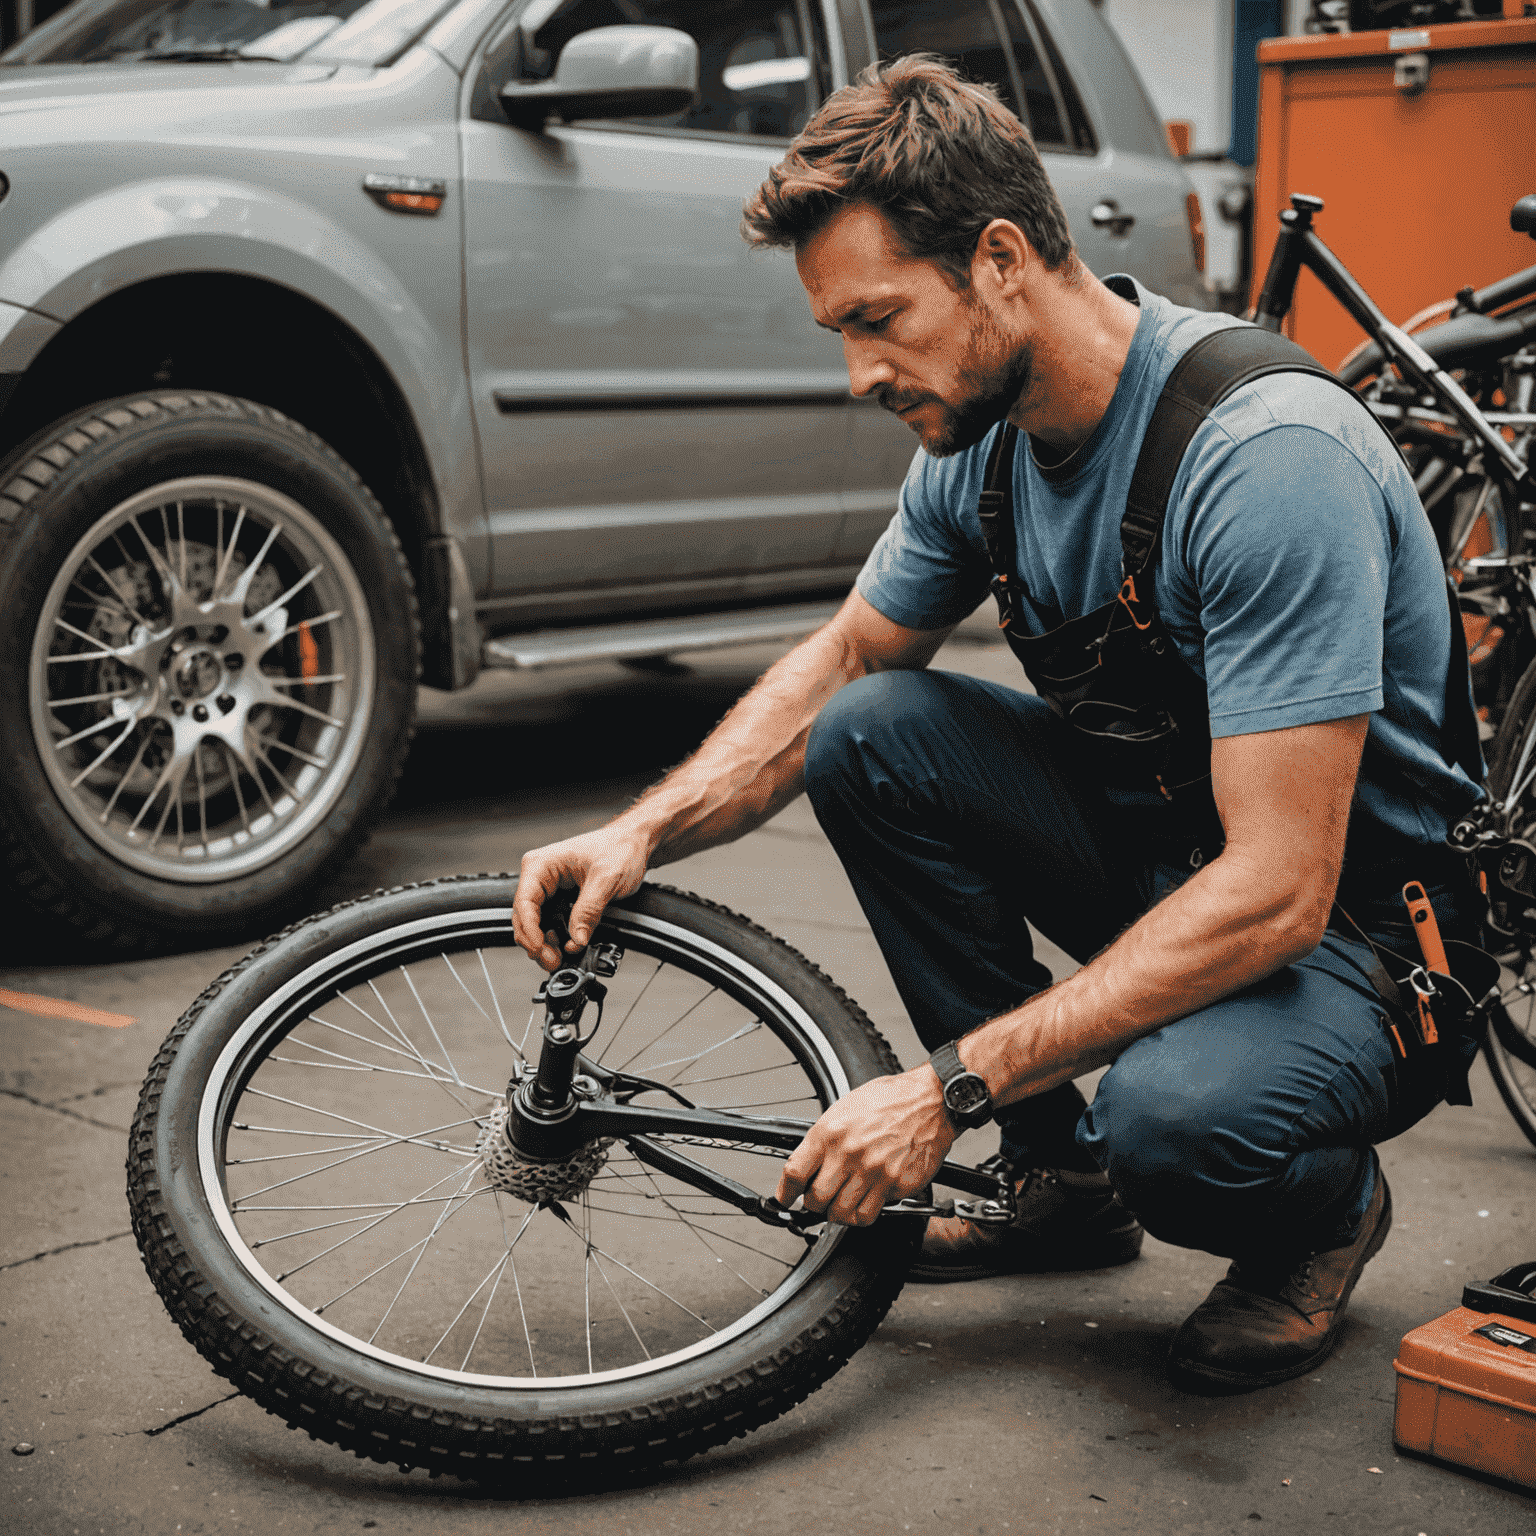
(611, 72)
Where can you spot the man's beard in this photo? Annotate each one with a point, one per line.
(992, 377)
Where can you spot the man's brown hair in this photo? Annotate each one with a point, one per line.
(938, 156)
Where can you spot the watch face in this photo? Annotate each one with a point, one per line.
(966, 1093)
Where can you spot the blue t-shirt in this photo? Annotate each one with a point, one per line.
(1298, 573)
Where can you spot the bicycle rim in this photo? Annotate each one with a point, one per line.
(347, 1140)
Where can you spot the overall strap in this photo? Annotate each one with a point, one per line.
(994, 508)
(1204, 376)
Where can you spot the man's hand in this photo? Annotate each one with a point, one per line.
(883, 1142)
(601, 866)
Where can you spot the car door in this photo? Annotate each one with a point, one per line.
(661, 423)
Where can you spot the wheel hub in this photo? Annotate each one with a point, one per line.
(196, 672)
(508, 1169)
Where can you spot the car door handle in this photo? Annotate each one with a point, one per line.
(1107, 215)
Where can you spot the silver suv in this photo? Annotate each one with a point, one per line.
(345, 343)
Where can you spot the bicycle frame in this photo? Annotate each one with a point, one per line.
(1299, 245)
(567, 1101)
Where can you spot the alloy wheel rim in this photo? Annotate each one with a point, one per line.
(202, 678)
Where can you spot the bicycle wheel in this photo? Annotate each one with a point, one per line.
(317, 1193)
(1510, 1048)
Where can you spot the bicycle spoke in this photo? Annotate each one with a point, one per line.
(740, 1034)
(586, 1273)
(496, 1004)
(433, 1027)
(415, 1056)
(603, 1275)
(444, 1217)
(283, 1157)
(357, 1284)
(566, 1222)
(660, 1195)
(522, 1313)
(728, 1077)
(613, 1038)
(386, 1139)
(495, 1271)
(693, 1008)
(354, 1065)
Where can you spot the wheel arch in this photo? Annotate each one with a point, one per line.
(264, 341)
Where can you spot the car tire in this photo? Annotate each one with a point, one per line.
(208, 657)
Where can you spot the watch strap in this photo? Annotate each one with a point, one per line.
(948, 1066)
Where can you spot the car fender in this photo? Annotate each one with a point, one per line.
(177, 224)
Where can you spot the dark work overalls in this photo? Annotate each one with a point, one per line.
(964, 811)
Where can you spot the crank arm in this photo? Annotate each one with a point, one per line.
(995, 1207)
(597, 1118)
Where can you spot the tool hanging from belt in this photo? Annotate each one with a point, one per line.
(1114, 675)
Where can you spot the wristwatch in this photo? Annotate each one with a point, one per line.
(966, 1100)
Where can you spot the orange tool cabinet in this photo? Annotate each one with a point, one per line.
(1419, 141)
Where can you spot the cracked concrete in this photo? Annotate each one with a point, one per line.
(989, 1408)
(182, 1418)
(48, 1253)
(63, 1109)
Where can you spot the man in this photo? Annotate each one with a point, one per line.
(1249, 1070)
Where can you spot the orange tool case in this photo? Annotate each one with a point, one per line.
(1466, 1383)
(1418, 170)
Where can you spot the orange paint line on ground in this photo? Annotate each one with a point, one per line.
(59, 1008)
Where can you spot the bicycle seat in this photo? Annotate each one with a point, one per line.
(1522, 217)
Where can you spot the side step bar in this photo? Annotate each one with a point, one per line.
(656, 637)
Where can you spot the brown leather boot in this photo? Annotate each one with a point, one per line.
(1263, 1324)
(1066, 1221)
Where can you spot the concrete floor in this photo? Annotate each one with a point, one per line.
(1022, 1404)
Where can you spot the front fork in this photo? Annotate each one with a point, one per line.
(568, 1100)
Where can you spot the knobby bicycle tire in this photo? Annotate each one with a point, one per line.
(358, 996)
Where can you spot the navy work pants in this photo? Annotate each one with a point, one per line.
(1242, 1129)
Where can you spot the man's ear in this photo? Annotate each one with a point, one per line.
(1003, 257)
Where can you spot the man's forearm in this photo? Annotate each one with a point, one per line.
(1228, 926)
(753, 763)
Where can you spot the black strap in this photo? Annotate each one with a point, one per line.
(994, 507)
(1204, 376)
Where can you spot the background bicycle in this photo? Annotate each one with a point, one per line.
(1458, 397)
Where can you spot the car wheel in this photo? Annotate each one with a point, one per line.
(208, 660)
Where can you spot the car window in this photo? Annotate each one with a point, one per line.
(1079, 134)
(763, 66)
(963, 31)
(125, 31)
(970, 33)
(1045, 114)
